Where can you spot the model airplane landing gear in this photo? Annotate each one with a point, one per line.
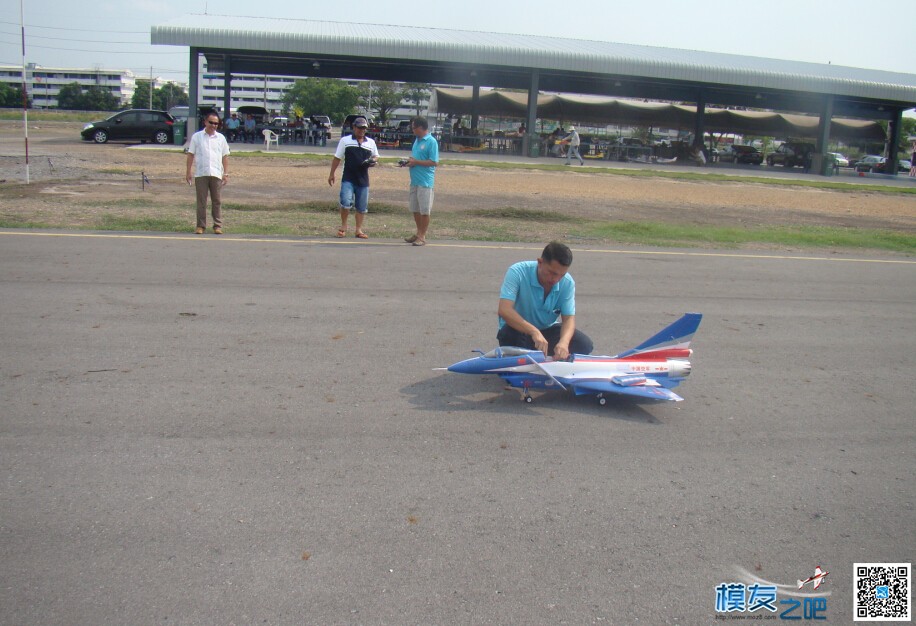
(527, 397)
(601, 399)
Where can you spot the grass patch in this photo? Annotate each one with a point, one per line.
(692, 176)
(154, 224)
(514, 213)
(655, 234)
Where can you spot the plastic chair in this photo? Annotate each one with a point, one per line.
(270, 137)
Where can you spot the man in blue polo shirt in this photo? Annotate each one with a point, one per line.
(424, 157)
(537, 306)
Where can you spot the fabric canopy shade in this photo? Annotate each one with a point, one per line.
(602, 110)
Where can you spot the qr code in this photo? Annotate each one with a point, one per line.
(882, 592)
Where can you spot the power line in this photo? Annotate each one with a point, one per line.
(82, 30)
(3, 32)
(94, 51)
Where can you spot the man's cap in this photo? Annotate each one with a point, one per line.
(361, 121)
(572, 128)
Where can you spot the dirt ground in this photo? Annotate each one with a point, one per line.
(62, 164)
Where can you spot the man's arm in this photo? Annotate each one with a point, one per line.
(512, 317)
(334, 164)
(189, 175)
(567, 328)
(225, 168)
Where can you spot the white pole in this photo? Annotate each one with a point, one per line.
(25, 96)
(151, 86)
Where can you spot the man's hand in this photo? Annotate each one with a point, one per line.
(560, 353)
(331, 180)
(540, 343)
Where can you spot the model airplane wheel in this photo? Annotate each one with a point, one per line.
(529, 399)
(602, 401)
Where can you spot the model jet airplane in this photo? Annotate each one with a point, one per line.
(818, 578)
(650, 370)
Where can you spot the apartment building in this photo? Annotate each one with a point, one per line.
(44, 83)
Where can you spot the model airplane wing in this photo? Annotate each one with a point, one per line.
(675, 336)
(654, 392)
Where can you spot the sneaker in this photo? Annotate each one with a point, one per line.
(217, 230)
(198, 231)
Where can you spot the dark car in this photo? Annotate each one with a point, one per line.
(791, 154)
(877, 164)
(132, 125)
(741, 154)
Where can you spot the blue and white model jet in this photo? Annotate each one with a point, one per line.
(650, 370)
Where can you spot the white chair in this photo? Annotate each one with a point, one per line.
(270, 137)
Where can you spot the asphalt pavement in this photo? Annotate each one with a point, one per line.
(241, 430)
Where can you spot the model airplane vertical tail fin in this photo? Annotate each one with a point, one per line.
(677, 335)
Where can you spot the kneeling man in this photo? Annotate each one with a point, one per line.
(537, 306)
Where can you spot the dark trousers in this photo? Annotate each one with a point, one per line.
(579, 344)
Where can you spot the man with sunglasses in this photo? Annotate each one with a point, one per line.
(208, 167)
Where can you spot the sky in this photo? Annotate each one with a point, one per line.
(115, 33)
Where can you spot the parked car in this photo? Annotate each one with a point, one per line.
(868, 162)
(841, 160)
(877, 164)
(741, 154)
(132, 125)
(791, 154)
(324, 121)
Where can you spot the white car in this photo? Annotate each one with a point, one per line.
(841, 161)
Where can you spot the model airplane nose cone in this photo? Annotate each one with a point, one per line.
(469, 366)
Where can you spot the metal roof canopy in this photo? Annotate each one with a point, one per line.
(290, 47)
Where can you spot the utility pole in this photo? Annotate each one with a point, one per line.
(151, 86)
(25, 94)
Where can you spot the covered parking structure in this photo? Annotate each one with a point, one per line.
(290, 47)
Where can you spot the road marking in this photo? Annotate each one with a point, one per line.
(469, 246)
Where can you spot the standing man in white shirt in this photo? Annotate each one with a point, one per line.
(573, 140)
(208, 156)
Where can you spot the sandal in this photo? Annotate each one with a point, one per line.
(362, 236)
(419, 242)
(410, 239)
(341, 233)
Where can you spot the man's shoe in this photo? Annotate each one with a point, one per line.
(217, 230)
(198, 231)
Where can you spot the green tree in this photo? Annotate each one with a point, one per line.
(381, 97)
(417, 94)
(70, 97)
(140, 99)
(93, 98)
(98, 98)
(322, 96)
(170, 95)
(10, 96)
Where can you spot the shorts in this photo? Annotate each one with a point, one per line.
(421, 199)
(353, 196)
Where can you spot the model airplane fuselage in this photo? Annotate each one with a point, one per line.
(817, 579)
(650, 370)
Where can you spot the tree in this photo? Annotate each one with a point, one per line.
(164, 98)
(381, 98)
(322, 96)
(141, 99)
(94, 98)
(417, 94)
(97, 98)
(70, 97)
(11, 96)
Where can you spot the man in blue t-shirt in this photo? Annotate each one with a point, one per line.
(424, 157)
(537, 306)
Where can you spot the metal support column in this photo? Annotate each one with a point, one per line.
(193, 92)
(227, 89)
(699, 128)
(893, 140)
(818, 163)
(529, 149)
(475, 102)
